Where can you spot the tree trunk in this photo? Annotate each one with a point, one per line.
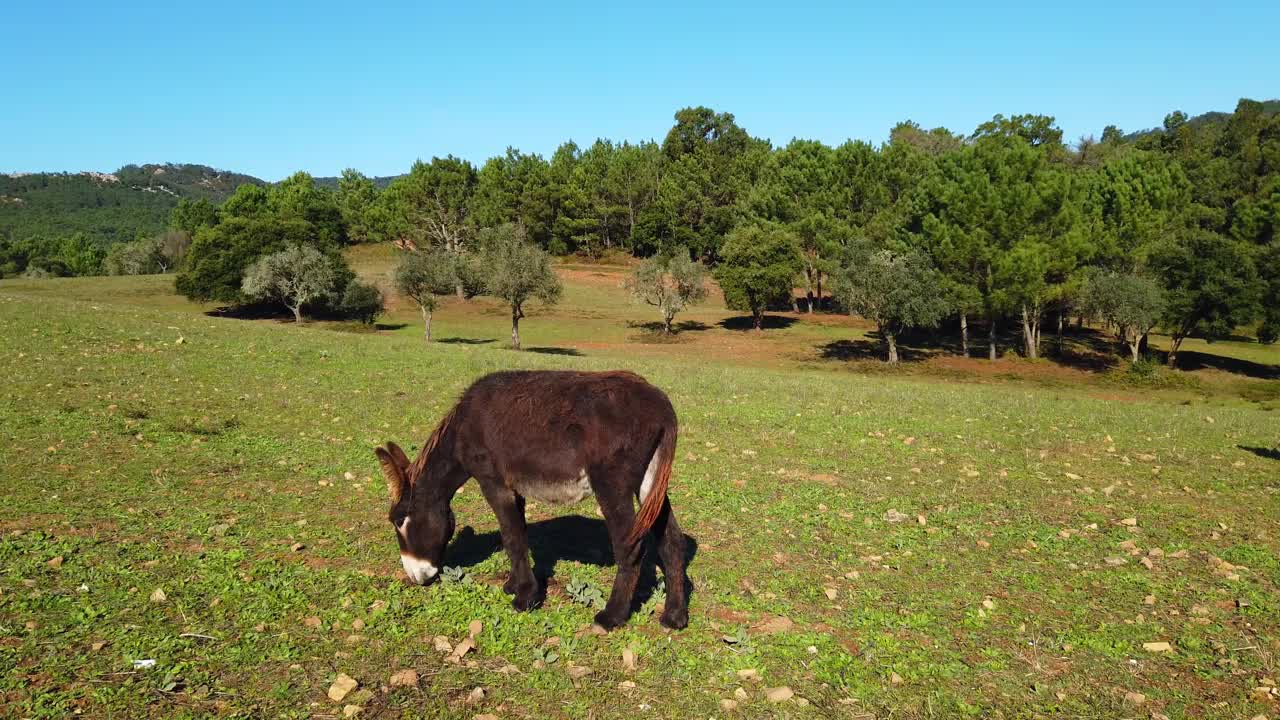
(1175, 342)
(991, 340)
(426, 323)
(666, 323)
(297, 313)
(461, 294)
(795, 306)
(1028, 338)
(892, 341)
(1059, 332)
(515, 327)
(1144, 344)
(819, 288)
(1134, 346)
(964, 334)
(757, 320)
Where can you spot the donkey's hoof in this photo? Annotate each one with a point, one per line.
(607, 621)
(511, 586)
(675, 618)
(526, 600)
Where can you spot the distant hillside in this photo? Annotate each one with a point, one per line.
(1213, 117)
(379, 182)
(108, 207)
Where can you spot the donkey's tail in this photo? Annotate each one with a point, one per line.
(653, 491)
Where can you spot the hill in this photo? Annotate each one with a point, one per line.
(107, 207)
(1213, 117)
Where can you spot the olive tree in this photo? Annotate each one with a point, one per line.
(295, 276)
(424, 276)
(895, 290)
(1130, 304)
(669, 283)
(516, 271)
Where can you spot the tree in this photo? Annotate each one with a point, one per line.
(140, 257)
(358, 206)
(173, 247)
(1131, 304)
(895, 290)
(299, 197)
(295, 276)
(516, 271)
(757, 266)
(192, 215)
(219, 255)
(362, 301)
(1210, 284)
(431, 205)
(669, 283)
(424, 276)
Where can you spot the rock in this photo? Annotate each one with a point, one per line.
(1129, 522)
(357, 624)
(341, 687)
(1149, 600)
(1135, 698)
(463, 648)
(98, 645)
(740, 693)
(349, 711)
(473, 629)
(348, 475)
(1115, 560)
(312, 622)
(778, 694)
(830, 593)
(628, 660)
(1157, 647)
(728, 705)
(55, 563)
(989, 604)
(895, 678)
(485, 716)
(626, 685)
(442, 644)
(776, 624)
(297, 547)
(158, 596)
(893, 516)
(577, 672)
(749, 674)
(404, 678)
(475, 696)
(1146, 563)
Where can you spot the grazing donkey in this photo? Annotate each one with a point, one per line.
(553, 436)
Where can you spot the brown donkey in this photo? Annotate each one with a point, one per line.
(556, 437)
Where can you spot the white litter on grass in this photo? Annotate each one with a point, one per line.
(144, 664)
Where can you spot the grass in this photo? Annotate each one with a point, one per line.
(233, 471)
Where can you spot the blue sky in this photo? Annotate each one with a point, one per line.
(321, 86)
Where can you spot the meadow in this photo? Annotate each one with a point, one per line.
(193, 524)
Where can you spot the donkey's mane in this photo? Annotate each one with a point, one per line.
(419, 465)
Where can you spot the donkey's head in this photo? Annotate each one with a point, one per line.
(423, 528)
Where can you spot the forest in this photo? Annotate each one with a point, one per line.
(1010, 224)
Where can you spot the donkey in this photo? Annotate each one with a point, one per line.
(556, 437)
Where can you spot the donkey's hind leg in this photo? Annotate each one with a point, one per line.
(619, 516)
(671, 549)
(509, 508)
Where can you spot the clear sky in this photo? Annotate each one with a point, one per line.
(272, 87)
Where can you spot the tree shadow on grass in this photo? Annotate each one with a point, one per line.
(570, 537)
(679, 327)
(1192, 360)
(572, 352)
(1268, 453)
(255, 311)
(390, 326)
(465, 341)
(770, 322)
(864, 349)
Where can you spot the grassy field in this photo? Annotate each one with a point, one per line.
(200, 492)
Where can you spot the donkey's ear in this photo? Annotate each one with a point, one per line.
(391, 471)
(401, 459)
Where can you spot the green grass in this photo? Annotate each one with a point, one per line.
(195, 468)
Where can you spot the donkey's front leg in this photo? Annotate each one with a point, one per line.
(619, 516)
(509, 508)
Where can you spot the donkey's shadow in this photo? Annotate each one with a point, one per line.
(568, 537)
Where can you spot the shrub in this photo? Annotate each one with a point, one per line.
(361, 301)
